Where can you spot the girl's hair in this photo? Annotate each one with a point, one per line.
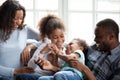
(48, 24)
(7, 14)
(82, 43)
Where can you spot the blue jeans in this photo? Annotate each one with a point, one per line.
(27, 76)
(3, 78)
(62, 75)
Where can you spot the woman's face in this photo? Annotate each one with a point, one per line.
(18, 19)
(57, 37)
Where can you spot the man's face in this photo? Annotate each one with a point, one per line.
(102, 39)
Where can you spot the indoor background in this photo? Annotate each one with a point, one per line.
(79, 16)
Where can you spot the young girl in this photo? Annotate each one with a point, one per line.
(74, 51)
(52, 34)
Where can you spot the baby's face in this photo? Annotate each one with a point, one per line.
(72, 46)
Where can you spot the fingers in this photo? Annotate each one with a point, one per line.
(39, 62)
(73, 62)
(46, 49)
(25, 57)
(29, 70)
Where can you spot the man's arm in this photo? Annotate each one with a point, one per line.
(81, 67)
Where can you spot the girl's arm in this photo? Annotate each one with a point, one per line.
(68, 57)
(46, 65)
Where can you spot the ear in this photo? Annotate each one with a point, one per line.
(81, 48)
(111, 36)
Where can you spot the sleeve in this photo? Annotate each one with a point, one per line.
(116, 75)
(6, 72)
(37, 44)
(33, 33)
(81, 55)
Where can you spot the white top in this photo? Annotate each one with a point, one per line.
(10, 51)
(37, 54)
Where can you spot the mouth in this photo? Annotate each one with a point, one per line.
(15, 27)
(97, 44)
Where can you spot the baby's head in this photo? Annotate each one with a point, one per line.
(52, 27)
(77, 44)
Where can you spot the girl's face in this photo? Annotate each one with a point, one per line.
(57, 37)
(72, 46)
(18, 19)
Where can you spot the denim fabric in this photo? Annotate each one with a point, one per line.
(27, 76)
(46, 78)
(62, 75)
(3, 78)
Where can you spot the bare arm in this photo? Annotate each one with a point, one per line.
(68, 57)
(46, 65)
(25, 56)
(23, 70)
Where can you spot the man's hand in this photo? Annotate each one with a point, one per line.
(77, 64)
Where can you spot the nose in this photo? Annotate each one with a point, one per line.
(95, 39)
(19, 21)
(59, 39)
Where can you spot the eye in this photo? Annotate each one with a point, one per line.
(54, 37)
(70, 43)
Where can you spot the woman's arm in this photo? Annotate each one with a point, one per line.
(81, 67)
(23, 70)
(26, 55)
(33, 33)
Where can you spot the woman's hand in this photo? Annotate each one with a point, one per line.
(24, 70)
(25, 56)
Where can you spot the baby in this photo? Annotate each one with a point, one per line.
(75, 50)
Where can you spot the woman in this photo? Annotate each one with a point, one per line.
(13, 38)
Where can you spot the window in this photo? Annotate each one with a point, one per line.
(80, 16)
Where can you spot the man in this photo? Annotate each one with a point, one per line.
(107, 65)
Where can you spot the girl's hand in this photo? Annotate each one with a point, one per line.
(47, 48)
(43, 64)
(46, 65)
